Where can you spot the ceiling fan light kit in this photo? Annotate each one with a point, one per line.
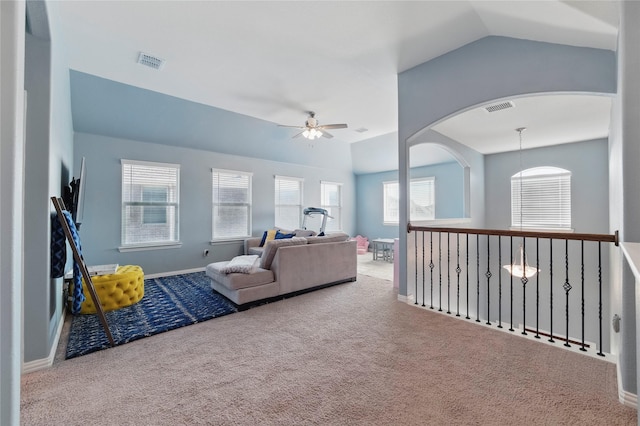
(312, 130)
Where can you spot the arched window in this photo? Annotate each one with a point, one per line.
(541, 199)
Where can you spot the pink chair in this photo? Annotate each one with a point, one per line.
(362, 243)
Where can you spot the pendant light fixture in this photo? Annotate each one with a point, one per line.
(521, 269)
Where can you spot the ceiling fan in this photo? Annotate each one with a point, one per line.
(312, 130)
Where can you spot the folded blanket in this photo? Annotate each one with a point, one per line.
(242, 264)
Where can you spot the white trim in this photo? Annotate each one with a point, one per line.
(151, 246)
(288, 178)
(330, 183)
(229, 240)
(626, 398)
(41, 364)
(443, 222)
(149, 163)
(216, 169)
(172, 273)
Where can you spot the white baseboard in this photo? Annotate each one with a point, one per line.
(626, 398)
(168, 274)
(40, 364)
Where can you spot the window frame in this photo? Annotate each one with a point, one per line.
(248, 204)
(299, 206)
(387, 184)
(332, 208)
(563, 208)
(174, 240)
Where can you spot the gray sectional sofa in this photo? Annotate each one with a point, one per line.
(288, 267)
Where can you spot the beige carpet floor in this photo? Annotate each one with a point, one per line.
(345, 355)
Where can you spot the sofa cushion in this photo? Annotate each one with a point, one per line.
(336, 237)
(304, 233)
(271, 247)
(235, 281)
(256, 250)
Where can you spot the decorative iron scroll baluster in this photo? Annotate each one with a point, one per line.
(415, 250)
(448, 274)
(582, 296)
(477, 278)
(524, 281)
(458, 270)
(567, 288)
(551, 291)
(439, 271)
(431, 265)
(537, 336)
(488, 275)
(600, 295)
(499, 282)
(467, 268)
(511, 278)
(423, 271)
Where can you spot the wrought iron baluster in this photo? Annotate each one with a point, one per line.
(551, 291)
(600, 294)
(415, 251)
(458, 270)
(582, 348)
(431, 265)
(499, 281)
(537, 336)
(488, 275)
(477, 278)
(423, 271)
(448, 274)
(511, 292)
(524, 281)
(567, 289)
(467, 268)
(439, 271)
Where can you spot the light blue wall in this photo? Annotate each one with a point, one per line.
(588, 164)
(109, 108)
(481, 72)
(48, 158)
(369, 197)
(100, 230)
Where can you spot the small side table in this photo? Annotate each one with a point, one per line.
(383, 248)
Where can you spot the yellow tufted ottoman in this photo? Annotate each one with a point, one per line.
(124, 288)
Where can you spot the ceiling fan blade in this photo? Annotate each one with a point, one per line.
(326, 134)
(294, 127)
(333, 126)
(297, 135)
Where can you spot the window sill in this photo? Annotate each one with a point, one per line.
(229, 240)
(155, 246)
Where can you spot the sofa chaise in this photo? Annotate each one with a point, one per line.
(287, 267)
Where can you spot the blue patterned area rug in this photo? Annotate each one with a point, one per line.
(168, 303)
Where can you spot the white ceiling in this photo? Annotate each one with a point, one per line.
(274, 60)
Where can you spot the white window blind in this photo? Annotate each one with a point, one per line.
(541, 199)
(150, 203)
(288, 202)
(331, 200)
(231, 213)
(421, 200)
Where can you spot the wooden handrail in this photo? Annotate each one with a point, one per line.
(609, 238)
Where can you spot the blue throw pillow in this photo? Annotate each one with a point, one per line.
(281, 236)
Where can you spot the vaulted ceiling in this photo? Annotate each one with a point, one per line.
(275, 60)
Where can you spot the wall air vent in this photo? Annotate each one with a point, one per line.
(150, 61)
(499, 107)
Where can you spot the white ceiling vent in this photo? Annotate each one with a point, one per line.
(361, 130)
(150, 61)
(499, 107)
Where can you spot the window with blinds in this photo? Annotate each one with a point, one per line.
(150, 203)
(541, 199)
(231, 213)
(288, 202)
(331, 200)
(421, 200)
